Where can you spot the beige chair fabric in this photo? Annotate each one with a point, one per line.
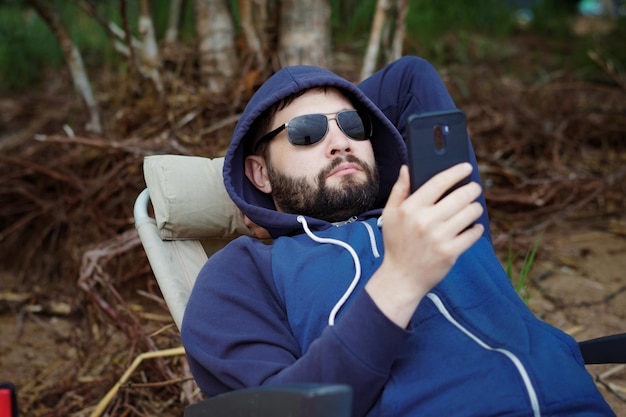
(190, 203)
(189, 198)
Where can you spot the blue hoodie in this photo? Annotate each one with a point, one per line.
(294, 310)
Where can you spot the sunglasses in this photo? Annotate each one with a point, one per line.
(310, 129)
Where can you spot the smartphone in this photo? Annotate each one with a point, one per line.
(436, 141)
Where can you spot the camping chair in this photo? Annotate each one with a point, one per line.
(193, 217)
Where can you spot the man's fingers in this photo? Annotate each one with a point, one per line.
(459, 199)
(467, 238)
(464, 218)
(401, 188)
(436, 187)
(257, 230)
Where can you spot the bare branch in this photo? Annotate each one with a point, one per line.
(171, 35)
(74, 61)
(373, 46)
(115, 33)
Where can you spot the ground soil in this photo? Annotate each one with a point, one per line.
(578, 285)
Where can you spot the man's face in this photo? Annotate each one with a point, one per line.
(333, 179)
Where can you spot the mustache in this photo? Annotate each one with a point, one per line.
(340, 160)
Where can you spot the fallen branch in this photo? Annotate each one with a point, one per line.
(130, 145)
(102, 405)
(607, 69)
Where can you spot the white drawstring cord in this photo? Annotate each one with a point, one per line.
(521, 369)
(370, 231)
(357, 267)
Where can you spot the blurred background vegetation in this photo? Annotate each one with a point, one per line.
(454, 31)
(524, 71)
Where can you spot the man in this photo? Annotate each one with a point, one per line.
(398, 295)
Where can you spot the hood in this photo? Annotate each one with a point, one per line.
(389, 148)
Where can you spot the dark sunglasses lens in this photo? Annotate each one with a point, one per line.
(355, 124)
(307, 129)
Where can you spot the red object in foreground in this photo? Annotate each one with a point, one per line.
(8, 401)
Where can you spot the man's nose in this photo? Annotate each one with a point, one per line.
(337, 141)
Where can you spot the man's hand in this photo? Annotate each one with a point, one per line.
(258, 231)
(423, 238)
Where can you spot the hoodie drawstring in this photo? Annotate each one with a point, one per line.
(370, 231)
(355, 258)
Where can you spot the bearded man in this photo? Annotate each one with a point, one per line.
(397, 294)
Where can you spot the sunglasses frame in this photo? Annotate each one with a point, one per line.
(364, 116)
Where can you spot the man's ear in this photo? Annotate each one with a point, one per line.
(256, 171)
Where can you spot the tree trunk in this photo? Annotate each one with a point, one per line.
(305, 33)
(373, 46)
(251, 24)
(74, 61)
(171, 35)
(402, 9)
(150, 60)
(216, 39)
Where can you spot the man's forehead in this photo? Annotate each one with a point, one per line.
(317, 100)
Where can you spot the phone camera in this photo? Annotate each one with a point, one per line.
(439, 137)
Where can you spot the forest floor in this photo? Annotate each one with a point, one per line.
(70, 328)
(578, 285)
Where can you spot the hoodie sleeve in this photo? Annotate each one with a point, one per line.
(411, 85)
(236, 333)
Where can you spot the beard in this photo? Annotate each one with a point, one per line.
(298, 195)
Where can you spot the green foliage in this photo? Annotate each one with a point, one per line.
(522, 286)
(26, 46)
(90, 38)
(552, 18)
(429, 20)
(612, 46)
(609, 47)
(160, 14)
(446, 32)
(441, 30)
(351, 20)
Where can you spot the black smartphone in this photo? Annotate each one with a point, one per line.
(436, 141)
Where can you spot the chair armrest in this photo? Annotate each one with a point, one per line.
(607, 349)
(297, 400)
